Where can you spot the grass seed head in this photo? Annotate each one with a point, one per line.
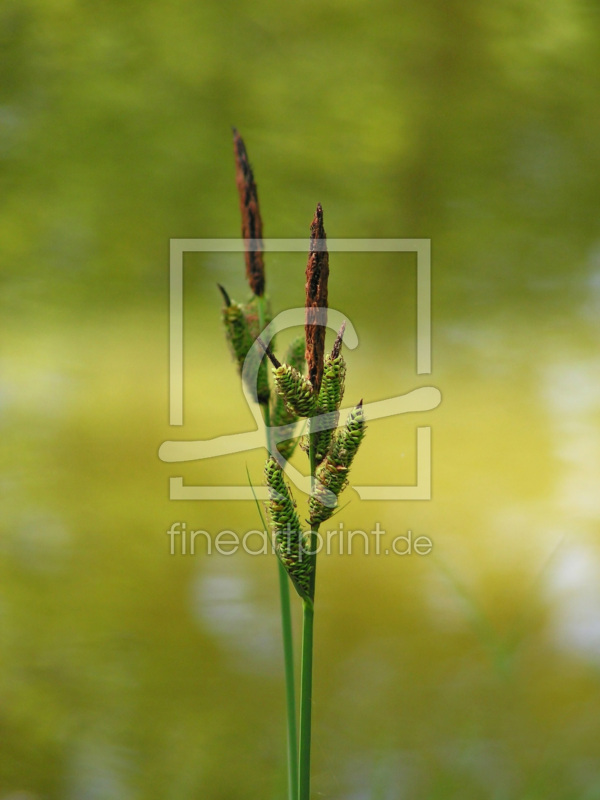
(251, 219)
(317, 275)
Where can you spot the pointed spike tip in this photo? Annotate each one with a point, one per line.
(317, 274)
(226, 297)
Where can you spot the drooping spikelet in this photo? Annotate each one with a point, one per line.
(330, 397)
(281, 416)
(241, 339)
(237, 330)
(296, 390)
(286, 527)
(332, 475)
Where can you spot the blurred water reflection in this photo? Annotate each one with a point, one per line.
(226, 606)
(574, 592)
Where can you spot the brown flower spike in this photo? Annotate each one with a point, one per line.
(317, 274)
(251, 221)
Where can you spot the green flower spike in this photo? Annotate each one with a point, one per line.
(286, 527)
(237, 329)
(297, 391)
(281, 416)
(332, 475)
(241, 339)
(330, 395)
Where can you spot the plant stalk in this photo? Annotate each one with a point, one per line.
(286, 631)
(306, 675)
(290, 692)
(306, 698)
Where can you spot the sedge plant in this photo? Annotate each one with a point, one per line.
(308, 385)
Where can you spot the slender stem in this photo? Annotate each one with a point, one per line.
(306, 674)
(287, 633)
(306, 698)
(290, 693)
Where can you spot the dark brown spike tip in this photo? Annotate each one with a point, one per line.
(272, 358)
(251, 220)
(317, 231)
(337, 345)
(226, 297)
(317, 275)
(359, 404)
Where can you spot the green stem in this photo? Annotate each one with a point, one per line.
(306, 698)
(287, 633)
(290, 694)
(307, 654)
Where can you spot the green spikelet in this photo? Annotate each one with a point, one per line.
(286, 527)
(281, 416)
(237, 331)
(332, 475)
(330, 399)
(238, 327)
(296, 390)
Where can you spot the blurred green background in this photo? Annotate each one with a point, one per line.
(473, 672)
